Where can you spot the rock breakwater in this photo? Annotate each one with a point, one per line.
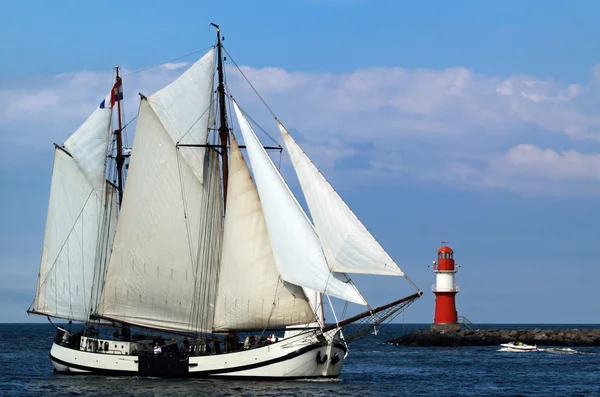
(489, 337)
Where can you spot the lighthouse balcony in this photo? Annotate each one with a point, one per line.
(437, 269)
(445, 288)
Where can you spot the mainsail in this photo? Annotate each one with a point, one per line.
(298, 253)
(251, 295)
(348, 245)
(167, 245)
(78, 222)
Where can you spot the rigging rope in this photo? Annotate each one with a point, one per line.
(258, 125)
(208, 247)
(169, 61)
(248, 81)
(280, 280)
(411, 283)
(279, 164)
(193, 124)
(246, 114)
(125, 126)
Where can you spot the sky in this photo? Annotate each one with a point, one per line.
(473, 122)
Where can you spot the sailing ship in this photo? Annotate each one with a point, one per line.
(197, 259)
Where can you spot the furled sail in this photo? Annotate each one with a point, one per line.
(185, 109)
(76, 219)
(346, 242)
(251, 295)
(166, 251)
(296, 247)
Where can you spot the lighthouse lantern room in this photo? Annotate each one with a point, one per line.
(445, 290)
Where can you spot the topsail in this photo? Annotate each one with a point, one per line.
(186, 110)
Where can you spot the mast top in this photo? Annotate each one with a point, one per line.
(218, 33)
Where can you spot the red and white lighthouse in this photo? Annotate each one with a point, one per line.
(445, 290)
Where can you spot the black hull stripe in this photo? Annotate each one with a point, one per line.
(96, 371)
(210, 373)
(261, 364)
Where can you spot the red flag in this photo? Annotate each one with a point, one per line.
(116, 93)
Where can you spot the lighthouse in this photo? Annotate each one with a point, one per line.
(445, 290)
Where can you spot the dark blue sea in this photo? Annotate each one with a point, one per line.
(373, 368)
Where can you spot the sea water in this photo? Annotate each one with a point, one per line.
(373, 368)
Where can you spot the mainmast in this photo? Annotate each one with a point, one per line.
(223, 127)
(116, 96)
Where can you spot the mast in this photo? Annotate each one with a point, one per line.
(119, 136)
(223, 127)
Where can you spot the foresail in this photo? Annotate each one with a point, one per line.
(346, 242)
(185, 108)
(75, 212)
(251, 295)
(298, 254)
(163, 268)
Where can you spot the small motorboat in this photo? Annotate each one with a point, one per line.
(518, 347)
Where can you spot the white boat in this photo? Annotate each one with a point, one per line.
(195, 246)
(519, 347)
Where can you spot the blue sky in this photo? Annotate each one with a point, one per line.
(476, 122)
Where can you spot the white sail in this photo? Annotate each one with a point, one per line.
(89, 145)
(346, 242)
(74, 221)
(185, 108)
(251, 295)
(297, 250)
(167, 245)
(70, 243)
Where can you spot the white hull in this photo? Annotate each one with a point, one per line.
(518, 347)
(291, 358)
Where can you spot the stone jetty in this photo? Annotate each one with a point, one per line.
(489, 337)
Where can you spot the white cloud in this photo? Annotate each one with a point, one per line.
(32, 103)
(174, 65)
(548, 164)
(527, 169)
(449, 125)
(537, 91)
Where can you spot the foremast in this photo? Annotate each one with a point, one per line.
(120, 159)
